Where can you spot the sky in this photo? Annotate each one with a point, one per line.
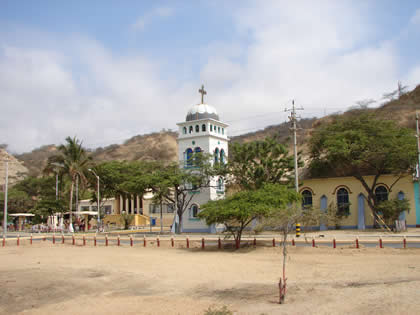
(105, 71)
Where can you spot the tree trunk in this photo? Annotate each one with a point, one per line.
(71, 203)
(161, 218)
(178, 229)
(282, 281)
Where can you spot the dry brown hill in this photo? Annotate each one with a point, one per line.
(162, 145)
(16, 169)
(155, 146)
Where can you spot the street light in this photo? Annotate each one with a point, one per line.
(99, 215)
(56, 178)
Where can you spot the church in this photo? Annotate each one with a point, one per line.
(202, 131)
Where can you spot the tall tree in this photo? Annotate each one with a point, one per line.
(74, 161)
(253, 164)
(178, 185)
(360, 146)
(122, 178)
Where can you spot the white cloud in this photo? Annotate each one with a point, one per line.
(415, 19)
(151, 16)
(313, 52)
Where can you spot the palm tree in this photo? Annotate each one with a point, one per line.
(74, 161)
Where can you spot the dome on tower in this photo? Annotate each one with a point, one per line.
(202, 111)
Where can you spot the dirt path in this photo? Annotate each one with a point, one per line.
(120, 280)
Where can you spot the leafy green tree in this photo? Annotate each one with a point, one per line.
(237, 211)
(47, 207)
(17, 201)
(177, 185)
(390, 210)
(360, 146)
(126, 220)
(253, 164)
(32, 194)
(122, 178)
(75, 161)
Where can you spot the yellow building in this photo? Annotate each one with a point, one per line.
(348, 195)
(143, 208)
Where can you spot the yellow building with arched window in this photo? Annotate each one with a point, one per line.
(348, 196)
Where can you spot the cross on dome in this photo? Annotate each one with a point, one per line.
(202, 92)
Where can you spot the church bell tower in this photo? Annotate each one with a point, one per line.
(202, 131)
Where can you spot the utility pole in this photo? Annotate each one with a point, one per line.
(418, 146)
(293, 119)
(97, 198)
(5, 198)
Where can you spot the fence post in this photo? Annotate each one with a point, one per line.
(219, 243)
(313, 242)
(144, 241)
(357, 242)
(380, 243)
(31, 238)
(255, 242)
(237, 244)
(158, 242)
(118, 240)
(4, 241)
(172, 241)
(106, 240)
(203, 246)
(18, 240)
(334, 243)
(188, 243)
(405, 242)
(84, 240)
(73, 239)
(131, 240)
(94, 240)
(53, 238)
(62, 238)
(293, 241)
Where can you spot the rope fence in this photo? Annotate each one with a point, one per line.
(210, 243)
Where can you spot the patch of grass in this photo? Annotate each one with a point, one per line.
(218, 311)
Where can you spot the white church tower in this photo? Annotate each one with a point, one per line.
(202, 132)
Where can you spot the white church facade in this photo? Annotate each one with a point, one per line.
(202, 131)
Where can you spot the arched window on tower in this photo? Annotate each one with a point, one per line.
(306, 199)
(381, 193)
(218, 129)
(203, 127)
(196, 150)
(197, 128)
(216, 155)
(343, 203)
(222, 156)
(211, 127)
(223, 131)
(220, 185)
(184, 130)
(194, 211)
(191, 129)
(188, 157)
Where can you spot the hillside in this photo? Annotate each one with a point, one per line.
(162, 145)
(16, 169)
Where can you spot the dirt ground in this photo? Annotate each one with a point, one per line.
(65, 279)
